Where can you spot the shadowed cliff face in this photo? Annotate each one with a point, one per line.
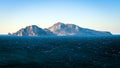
(58, 29)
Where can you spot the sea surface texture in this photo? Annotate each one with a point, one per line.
(60, 52)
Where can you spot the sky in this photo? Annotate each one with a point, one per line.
(102, 15)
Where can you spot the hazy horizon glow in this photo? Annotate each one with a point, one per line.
(102, 15)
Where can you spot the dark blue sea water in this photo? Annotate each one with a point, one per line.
(60, 52)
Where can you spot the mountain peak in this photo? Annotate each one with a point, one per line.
(32, 30)
(62, 29)
(59, 29)
(62, 24)
(59, 23)
(32, 26)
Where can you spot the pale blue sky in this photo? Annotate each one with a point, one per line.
(103, 15)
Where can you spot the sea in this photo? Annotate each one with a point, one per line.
(60, 51)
